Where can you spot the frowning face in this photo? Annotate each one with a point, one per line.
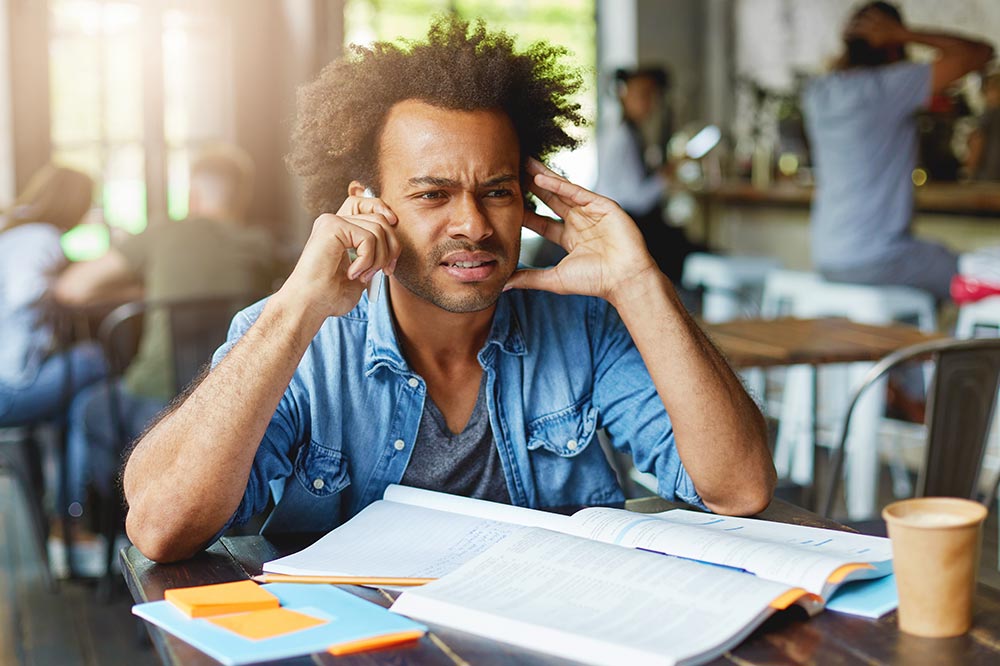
(452, 179)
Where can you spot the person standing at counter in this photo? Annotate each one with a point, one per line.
(861, 123)
(624, 175)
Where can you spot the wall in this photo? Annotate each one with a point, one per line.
(7, 192)
(775, 39)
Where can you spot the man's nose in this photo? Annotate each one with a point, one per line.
(468, 219)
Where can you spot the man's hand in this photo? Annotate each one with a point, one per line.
(606, 249)
(325, 279)
(877, 28)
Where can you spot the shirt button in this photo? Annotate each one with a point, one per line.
(399, 444)
(318, 484)
(413, 382)
(571, 445)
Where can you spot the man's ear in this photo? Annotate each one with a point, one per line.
(356, 189)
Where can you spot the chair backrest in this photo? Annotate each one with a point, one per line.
(961, 402)
(197, 328)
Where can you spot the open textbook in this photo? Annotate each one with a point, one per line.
(603, 586)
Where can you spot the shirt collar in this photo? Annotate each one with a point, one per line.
(382, 347)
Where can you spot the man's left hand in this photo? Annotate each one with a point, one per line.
(605, 249)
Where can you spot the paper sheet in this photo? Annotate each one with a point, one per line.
(258, 625)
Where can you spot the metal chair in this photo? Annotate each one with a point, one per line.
(197, 328)
(961, 401)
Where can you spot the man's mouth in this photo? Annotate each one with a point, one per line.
(470, 266)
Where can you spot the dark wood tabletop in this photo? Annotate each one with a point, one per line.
(787, 638)
(762, 343)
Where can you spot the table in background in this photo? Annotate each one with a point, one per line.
(787, 638)
(769, 343)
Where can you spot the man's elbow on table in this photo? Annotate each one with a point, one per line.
(749, 497)
(161, 541)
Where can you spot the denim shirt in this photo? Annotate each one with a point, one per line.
(557, 368)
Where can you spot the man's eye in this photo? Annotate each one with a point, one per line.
(500, 193)
(432, 195)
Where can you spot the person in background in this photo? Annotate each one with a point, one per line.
(625, 176)
(36, 380)
(983, 161)
(862, 127)
(213, 252)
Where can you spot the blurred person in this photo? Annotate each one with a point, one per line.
(983, 161)
(625, 176)
(36, 379)
(862, 128)
(213, 252)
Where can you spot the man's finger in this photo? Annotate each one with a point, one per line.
(546, 227)
(546, 279)
(368, 206)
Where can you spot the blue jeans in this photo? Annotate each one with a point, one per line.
(94, 448)
(43, 399)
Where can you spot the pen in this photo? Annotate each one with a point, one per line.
(343, 580)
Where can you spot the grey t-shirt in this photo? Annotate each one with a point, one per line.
(862, 128)
(465, 464)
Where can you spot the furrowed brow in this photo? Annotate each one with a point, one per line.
(432, 181)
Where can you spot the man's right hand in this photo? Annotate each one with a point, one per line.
(325, 279)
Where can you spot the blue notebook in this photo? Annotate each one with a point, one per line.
(347, 618)
(867, 598)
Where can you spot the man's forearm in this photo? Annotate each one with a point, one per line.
(187, 475)
(719, 431)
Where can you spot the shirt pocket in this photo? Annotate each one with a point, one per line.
(321, 471)
(566, 432)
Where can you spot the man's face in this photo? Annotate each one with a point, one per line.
(452, 178)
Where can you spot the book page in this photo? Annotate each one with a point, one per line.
(390, 539)
(790, 554)
(477, 508)
(595, 602)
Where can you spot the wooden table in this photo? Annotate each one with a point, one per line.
(787, 638)
(766, 343)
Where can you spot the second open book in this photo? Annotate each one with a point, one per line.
(586, 586)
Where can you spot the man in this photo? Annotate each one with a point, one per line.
(457, 372)
(210, 253)
(625, 176)
(862, 128)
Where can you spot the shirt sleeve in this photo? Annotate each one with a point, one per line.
(622, 174)
(906, 87)
(274, 458)
(631, 410)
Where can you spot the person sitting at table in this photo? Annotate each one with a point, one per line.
(625, 176)
(456, 372)
(862, 128)
(37, 379)
(213, 252)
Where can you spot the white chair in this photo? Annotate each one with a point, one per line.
(731, 285)
(807, 295)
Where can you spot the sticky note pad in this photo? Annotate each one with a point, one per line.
(258, 625)
(207, 600)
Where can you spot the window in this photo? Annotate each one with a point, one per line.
(135, 88)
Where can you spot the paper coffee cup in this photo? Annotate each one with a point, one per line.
(935, 555)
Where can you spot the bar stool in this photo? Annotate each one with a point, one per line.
(731, 284)
(809, 296)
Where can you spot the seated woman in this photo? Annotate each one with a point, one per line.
(36, 381)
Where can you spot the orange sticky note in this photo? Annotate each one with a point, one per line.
(258, 625)
(375, 642)
(843, 572)
(206, 600)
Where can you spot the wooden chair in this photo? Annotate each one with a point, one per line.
(197, 328)
(961, 402)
